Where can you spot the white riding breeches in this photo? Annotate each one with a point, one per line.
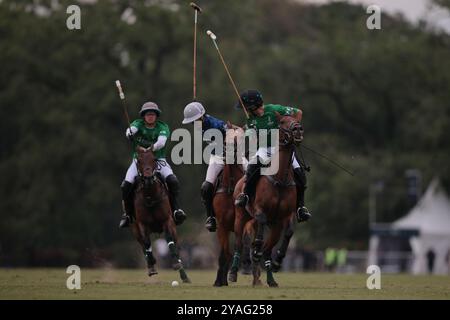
(265, 154)
(163, 168)
(216, 164)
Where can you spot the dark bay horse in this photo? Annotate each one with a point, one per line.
(273, 206)
(223, 205)
(153, 212)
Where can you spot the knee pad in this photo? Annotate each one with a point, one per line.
(206, 189)
(126, 188)
(173, 184)
(300, 176)
(289, 233)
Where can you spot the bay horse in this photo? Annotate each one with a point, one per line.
(273, 206)
(153, 213)
(223, 206)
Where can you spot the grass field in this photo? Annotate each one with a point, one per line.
(134, 284)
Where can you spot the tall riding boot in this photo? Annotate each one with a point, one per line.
(174, 187)
(251, 178)
(207, 193)
(127, 204)
(300, 180)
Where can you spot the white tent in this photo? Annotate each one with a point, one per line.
(431, 218)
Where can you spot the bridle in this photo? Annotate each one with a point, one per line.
(291, 135)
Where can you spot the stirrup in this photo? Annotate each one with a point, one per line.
(242, 200)
(179, 216)
(303, 214)
(125, 221)
(211, 224)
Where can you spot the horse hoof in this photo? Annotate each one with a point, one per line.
(232, 277)
(220, 284)
(273, 284)
(177, 266)
(257, 283)
(276, 266)
(152, 271)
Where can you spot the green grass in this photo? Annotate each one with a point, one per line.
(134, 284)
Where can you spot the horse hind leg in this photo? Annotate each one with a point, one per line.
(177, 263)
(281, 252)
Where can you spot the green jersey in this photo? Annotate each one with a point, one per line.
(268, 120)
(146, 136)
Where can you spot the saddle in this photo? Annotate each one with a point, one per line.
(219, 188)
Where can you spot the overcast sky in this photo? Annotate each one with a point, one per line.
(411, 9)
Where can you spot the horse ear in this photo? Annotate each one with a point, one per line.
(229, 125)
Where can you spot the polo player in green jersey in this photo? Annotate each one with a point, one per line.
(145, 132)
(264, 116)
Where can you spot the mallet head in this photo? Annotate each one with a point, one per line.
(195, 7)
(119, 87)
(212, 35)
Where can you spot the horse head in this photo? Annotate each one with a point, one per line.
(146, 163)
(291, 131)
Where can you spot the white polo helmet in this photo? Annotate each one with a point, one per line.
(193, 111)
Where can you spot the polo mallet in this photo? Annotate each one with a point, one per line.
(197, 10)
(213, 38)
(122, 97)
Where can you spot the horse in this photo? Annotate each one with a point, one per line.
(153, 213)
(223, 206)
(273, 206)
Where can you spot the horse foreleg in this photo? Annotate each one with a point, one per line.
(261, 221)
(171, 238)
(149, 258)
(246, 250)
(281, 252)
(274, 236)
(239, 223)
(224, 257)
(143, 237)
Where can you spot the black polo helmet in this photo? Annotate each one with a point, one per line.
(252, 99)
